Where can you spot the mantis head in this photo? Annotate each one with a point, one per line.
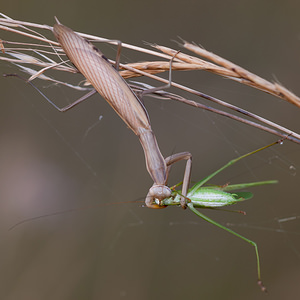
(159, 192)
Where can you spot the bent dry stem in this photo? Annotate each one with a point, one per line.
(214, 197)
(45, 56)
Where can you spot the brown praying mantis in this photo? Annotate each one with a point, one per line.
(104, 77)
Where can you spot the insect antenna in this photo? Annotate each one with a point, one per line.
(71, 210)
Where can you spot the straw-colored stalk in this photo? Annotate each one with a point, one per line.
(48, 55)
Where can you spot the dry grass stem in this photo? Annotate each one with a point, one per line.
(46, 54)
(232, 71)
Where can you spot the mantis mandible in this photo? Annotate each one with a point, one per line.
(98, 71)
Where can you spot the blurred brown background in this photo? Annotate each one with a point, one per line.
(50, 161)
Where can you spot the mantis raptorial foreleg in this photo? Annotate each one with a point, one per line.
(159, 190)
(187, 173)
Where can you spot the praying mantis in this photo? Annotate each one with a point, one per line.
(106, 80)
